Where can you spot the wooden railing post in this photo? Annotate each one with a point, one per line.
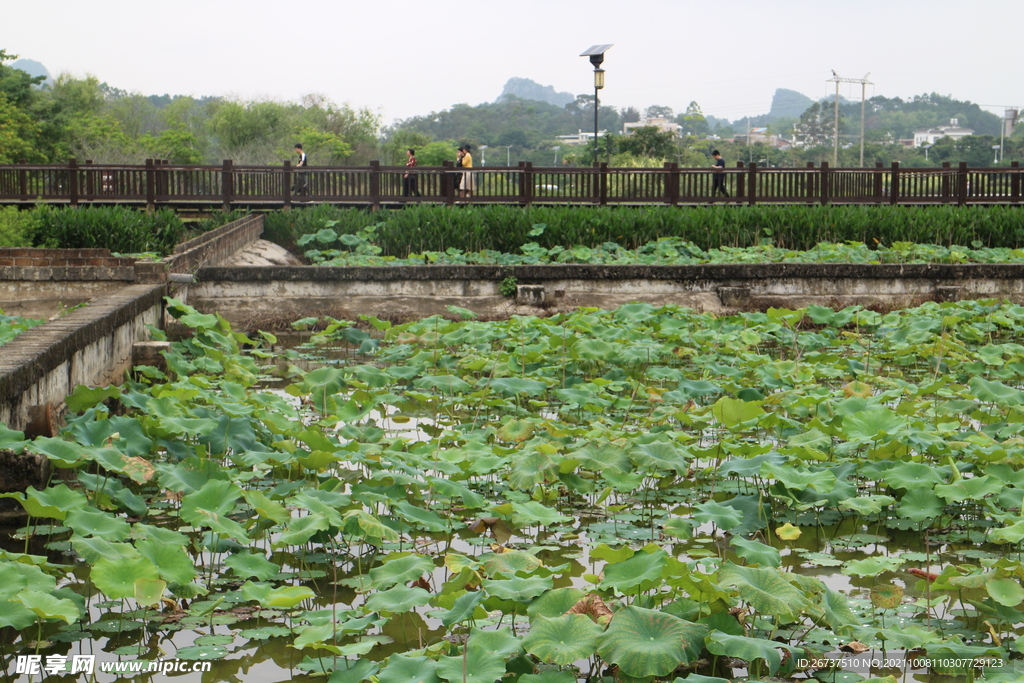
(961, 177)
(672, 182)
(448, 182)
(826, 184)
(374, 185)
(741, 181)
(894, 183)
(1015, 181)
(286, 184)
(90, 186)
(23, 182)
(525, 183)
(752, 184)
(73, 182)
(150, 185)
(879, 191)
(227, 184)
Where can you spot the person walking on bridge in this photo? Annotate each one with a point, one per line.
(409, 188)
(718, 180)
(301, 185)
(468, 183)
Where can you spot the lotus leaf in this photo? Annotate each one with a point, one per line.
(886, 596)
(518, 589)
(645, 642)
(631, 575)
(252, 565)
(397, 599)
(55, 501)
(734, 413)
(755, 552)
(358, 672)
(766, 590)
(46, 606)
(477, 666)
(555, 603)
(402, 668)
(116, 578)
(1005, 591)
(464, 608)
(562, 640)
(872, 566)
(88, 521)
(748, 649)
(400, 569)
(919, 504)
(171, 561)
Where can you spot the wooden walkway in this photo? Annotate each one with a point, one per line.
(159, 184)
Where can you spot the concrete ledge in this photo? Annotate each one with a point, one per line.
(529, 274)
(43, 365)
(250, 296)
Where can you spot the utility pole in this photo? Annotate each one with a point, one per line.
(864, 82)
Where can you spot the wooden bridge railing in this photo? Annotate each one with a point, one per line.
(159, 183)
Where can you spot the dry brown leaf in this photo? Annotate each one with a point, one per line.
(594, 607)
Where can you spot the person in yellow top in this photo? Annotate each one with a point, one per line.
(468, 183)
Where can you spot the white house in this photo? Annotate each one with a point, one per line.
(928, 136)
(580, 137)
(659, 122)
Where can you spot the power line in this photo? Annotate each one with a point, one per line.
(864, 82)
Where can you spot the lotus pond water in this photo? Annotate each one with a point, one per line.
(645, 494)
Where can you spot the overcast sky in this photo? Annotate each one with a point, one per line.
(405, 58)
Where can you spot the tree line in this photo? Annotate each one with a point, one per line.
(86, 119)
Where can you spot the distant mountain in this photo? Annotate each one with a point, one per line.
(32, 68)
(788, 103)
(525, 89)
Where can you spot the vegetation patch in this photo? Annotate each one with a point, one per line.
(360, 249)
(11, 326)
(647, 491)
(506, 229)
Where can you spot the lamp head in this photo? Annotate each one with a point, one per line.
(596, 54)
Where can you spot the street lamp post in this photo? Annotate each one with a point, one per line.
(556, 148)
(483, 155)
(596, 54)
(995, 154)
(508, 155)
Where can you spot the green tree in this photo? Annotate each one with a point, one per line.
(658, 111)
(18, 130)
(647, 141)
(436, 153)
(693, 121)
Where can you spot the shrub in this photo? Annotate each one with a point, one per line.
(116, 228)
(17, 227)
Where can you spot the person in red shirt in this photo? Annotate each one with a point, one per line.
(409, 188)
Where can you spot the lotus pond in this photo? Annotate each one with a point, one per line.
(645, 494)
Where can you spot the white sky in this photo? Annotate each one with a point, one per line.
(411, 57)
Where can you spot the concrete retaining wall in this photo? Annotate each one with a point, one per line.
(41, 367)
(245, 294)
(38, 283)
